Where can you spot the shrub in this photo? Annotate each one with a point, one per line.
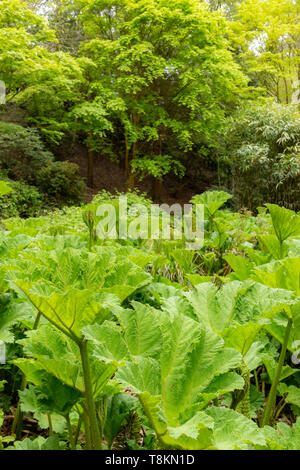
(23, 201)
(22, 152)
(61, 183)
(133, 197)
(263, 156)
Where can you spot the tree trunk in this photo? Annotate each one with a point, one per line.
(156, 189)
(130, 179)
(90, 169)
(130, 182)
(286, 91)
(127, 169)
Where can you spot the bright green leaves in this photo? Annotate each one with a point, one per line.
(4, 188)
(283, 274)
(11, 312)
(269, 63)
(286, 223)
(51, 396)
(160, 69)
(234, 431)
(105, 270)
(57, 356)
(69, 311)
(174, 365)
(21, 37)
(80, 288)
(241, 266)
(40, 443)
(237, 311)
(212, 201)
(92, 118)
(291, 394)
(190, 359)
(74, 289)
(284, 437)
(141, 330)
(157, 166)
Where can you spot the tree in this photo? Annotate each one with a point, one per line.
(166, 73)
(23, 35)
(262, 155)
(266, 34)
(44, 82)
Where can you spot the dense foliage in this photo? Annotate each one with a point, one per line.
(154, 85)
(111, 341)
(23, 157)
(143, 344)
(263, 157)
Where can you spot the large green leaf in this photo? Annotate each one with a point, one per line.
(241, 266)
(40, 443)
(175, 366)
(11, 312)
(237, 311)
(212, 200)
(282, 274)
(291, 393)
(286, 223)
(284, 437)
(233, 431)
(57, 355)
(50, 396)
(69, 311)
(269, 243)
(118, 408)
(106, 270)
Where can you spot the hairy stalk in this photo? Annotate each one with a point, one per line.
(77, 430)
(279, 408)
(96, 440)
(70, 431)
(18, 418)
(50, 424)
(243, 406)
(159, 436)
(102, 414)
(87, 431)
(256, 380)
(269, 409)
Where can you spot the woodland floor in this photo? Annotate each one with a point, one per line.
(110, 176)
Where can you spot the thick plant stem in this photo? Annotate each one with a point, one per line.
(70, 431)
(88, 442)
(18, 418)
(77, 431)
(269, 409)
(94, 428)
(50, 424)
(210, 224)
